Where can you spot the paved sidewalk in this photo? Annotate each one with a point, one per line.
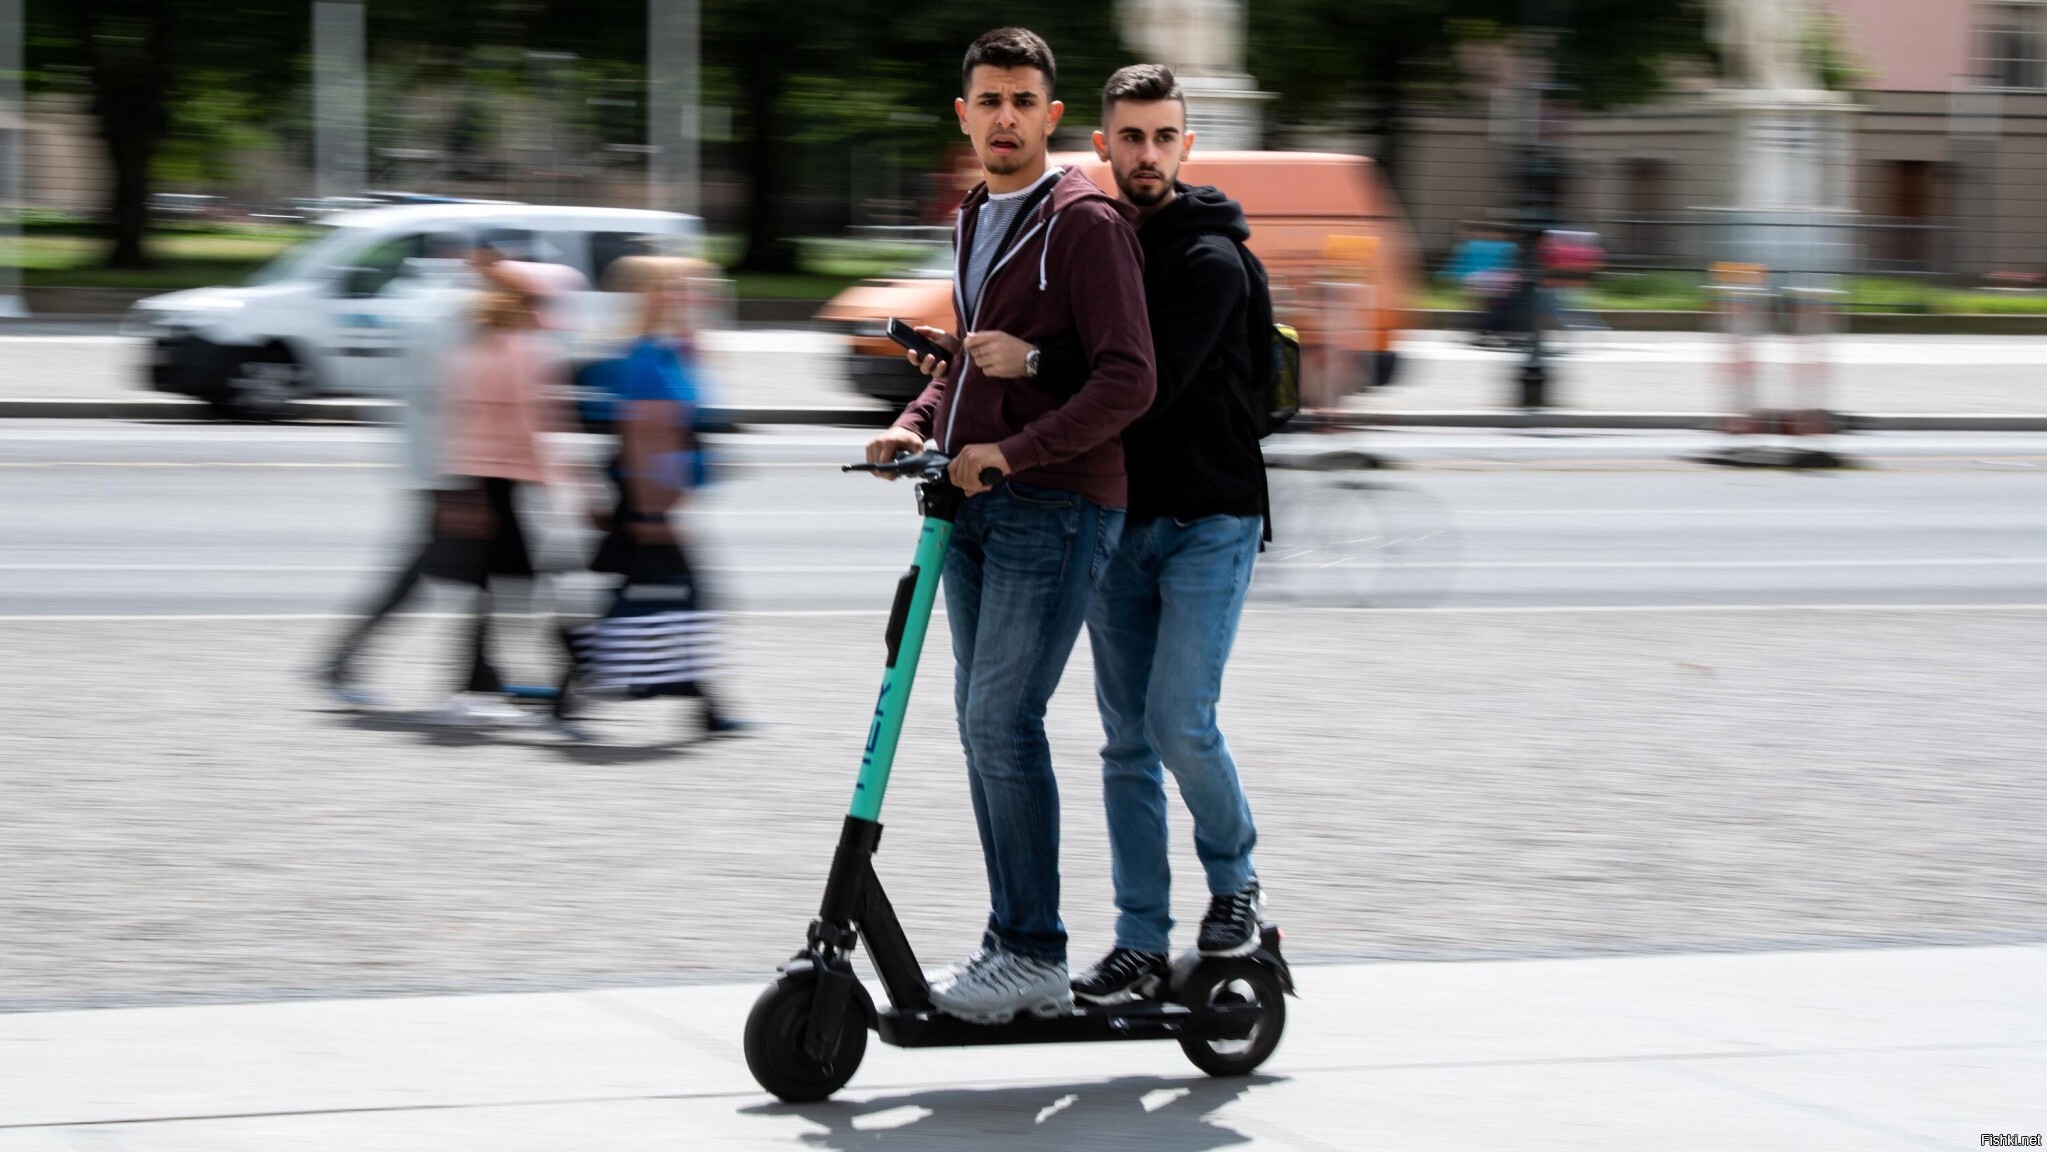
(1635, 372)
(1875, 1049)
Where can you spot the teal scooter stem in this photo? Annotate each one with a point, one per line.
(908, 620)
(808, 1031)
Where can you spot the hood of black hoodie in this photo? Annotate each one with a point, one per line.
(1196, 210)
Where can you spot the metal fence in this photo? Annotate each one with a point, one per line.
(1837, 242)
(1876, 263)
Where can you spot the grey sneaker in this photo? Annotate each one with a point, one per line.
(991, 987)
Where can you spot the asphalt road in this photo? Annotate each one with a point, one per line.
(137, 519)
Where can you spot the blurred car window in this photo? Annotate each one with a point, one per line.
(608, 248)
(376, 266)
(304, 258)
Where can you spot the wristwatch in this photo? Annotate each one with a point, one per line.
(1031, 363)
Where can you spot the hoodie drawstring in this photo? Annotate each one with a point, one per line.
(1046, 250)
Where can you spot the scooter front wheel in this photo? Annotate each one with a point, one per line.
(1236, 982)
(774, 1043)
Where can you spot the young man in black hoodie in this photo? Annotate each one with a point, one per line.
(1166, 613)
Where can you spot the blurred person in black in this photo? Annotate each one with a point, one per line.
(484, 401)
(1166, 613)
(422, 369)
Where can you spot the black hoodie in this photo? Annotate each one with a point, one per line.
(1195, 453)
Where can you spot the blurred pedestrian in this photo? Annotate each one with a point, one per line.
(504, 402)
(1570, 259)
(442, 320)
(1483, 263)
(658, 638)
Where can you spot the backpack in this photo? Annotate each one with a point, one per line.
(1275, 385)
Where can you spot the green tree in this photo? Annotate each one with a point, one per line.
(865, 69)
(148, 63)
(807, 79)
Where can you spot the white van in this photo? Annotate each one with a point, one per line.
(326, 317)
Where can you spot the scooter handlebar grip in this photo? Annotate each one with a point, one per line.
(991, 476)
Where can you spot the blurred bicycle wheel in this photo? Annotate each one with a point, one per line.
(1343, 538)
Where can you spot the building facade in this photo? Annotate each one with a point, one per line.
(1949, 144)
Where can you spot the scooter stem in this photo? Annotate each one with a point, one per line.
(916, 593)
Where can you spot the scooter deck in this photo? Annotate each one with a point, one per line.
(1147, 1021)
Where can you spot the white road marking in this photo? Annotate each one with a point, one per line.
(78, 338)
(862, 569)
(1632, 565)
(1258, 610)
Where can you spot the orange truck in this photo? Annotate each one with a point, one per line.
(1333, 239)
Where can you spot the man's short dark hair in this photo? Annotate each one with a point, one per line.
(1009, 48)
(1141, 82)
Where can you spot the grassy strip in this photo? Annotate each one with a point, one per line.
(1686, 292)
(63, 253)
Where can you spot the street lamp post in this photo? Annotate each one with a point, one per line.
(1539, 173)
(674, 106)
(339, 132)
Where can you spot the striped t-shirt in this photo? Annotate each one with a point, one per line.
(998, 212)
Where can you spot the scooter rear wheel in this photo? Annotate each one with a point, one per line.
(1236, 982)
(774, 1044)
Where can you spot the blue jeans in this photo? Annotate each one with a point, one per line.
(1162, 626)
(1024, 564)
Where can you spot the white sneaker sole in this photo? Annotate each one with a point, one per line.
(1045, 1009)
(1256, 941)
(1148, 988)
(1244, 949)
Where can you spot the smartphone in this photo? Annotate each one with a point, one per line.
(914, 340)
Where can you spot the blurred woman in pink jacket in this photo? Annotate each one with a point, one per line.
(504, 400)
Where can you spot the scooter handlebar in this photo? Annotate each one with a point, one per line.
(926, 464)
(929, 465)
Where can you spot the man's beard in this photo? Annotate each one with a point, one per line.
(1145, 199)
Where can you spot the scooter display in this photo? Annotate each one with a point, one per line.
(808, 1030)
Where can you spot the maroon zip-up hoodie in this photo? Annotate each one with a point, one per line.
(1074, 267)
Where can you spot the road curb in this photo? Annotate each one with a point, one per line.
(386, 412)
(1683, 421)
(1852, 323)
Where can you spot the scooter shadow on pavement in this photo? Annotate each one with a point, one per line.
(1126, 1112)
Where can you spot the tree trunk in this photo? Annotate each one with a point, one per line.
(129, 51)
(767, 241)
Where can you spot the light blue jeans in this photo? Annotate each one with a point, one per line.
(1024, 563)
(1162, 625)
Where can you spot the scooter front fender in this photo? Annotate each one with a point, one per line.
(802, 969)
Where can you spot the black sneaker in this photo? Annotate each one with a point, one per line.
(1124, 976)
(1231, 926)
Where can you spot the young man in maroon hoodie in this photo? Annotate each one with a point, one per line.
(1041, 254)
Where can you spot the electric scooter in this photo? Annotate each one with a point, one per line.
(808, 1030)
